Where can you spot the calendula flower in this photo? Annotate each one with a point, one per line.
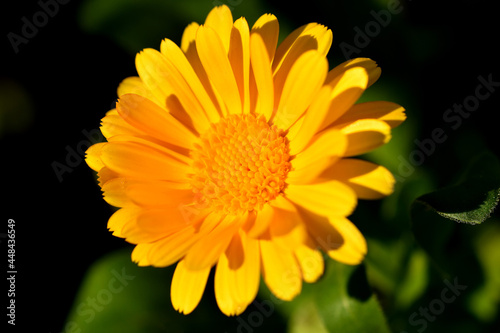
(233, 152)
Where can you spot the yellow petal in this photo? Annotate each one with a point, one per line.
(208, 249)
(368, 180)
(322, 35)
(311, 36)
(134, 85)
(112, 124)
(120, 218)
(148, 117)
(239, 57)
(171, 248)
(93, 156)
(131, 85)
(337, 236)
(321, 230)
(165, 221)
(260, 223)
(391, 113)
(290, 50)
(237, 275)
(353, 249)
(300, 88)
(220, 20)
(105, 174)
(267, 27)
(172, 215)
(136, 235)
(261, 69)
(154, 77)
(325, 199)
(326, 149)
(189, 37)
(188, 45)
(178, 153)
(158, 193)
(365, 135)
(283, 203)
(178, 59)
(140, 254)
(312, 121)
(347, 88)
(114, 192)
(330, 143)
(123, 224)
(187, 287)
(143, 162)
(287, 229)
(309, 173)
(311, 261)
(369, 65)
(214, 58)
(121, 192)
(280, 270)
(166, 80)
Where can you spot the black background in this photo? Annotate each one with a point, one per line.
(71, 78)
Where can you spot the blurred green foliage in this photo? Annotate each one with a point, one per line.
(16, 107)
(119, 296)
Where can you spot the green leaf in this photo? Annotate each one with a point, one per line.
(414, 282)
(306, 319)
(483, 301)
(118, 296)
(346, 303)
(473, 199)
(341, 301)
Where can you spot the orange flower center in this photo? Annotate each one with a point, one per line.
(240, 164)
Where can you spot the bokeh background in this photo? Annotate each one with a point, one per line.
(60, 77)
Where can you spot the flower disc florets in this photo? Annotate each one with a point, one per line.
(240, 164)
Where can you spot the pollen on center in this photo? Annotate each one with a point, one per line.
(240, 164)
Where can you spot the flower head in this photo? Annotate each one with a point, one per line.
(233, 152)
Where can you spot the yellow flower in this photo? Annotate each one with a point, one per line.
(229, 151)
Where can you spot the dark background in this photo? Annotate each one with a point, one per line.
(431, 52)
